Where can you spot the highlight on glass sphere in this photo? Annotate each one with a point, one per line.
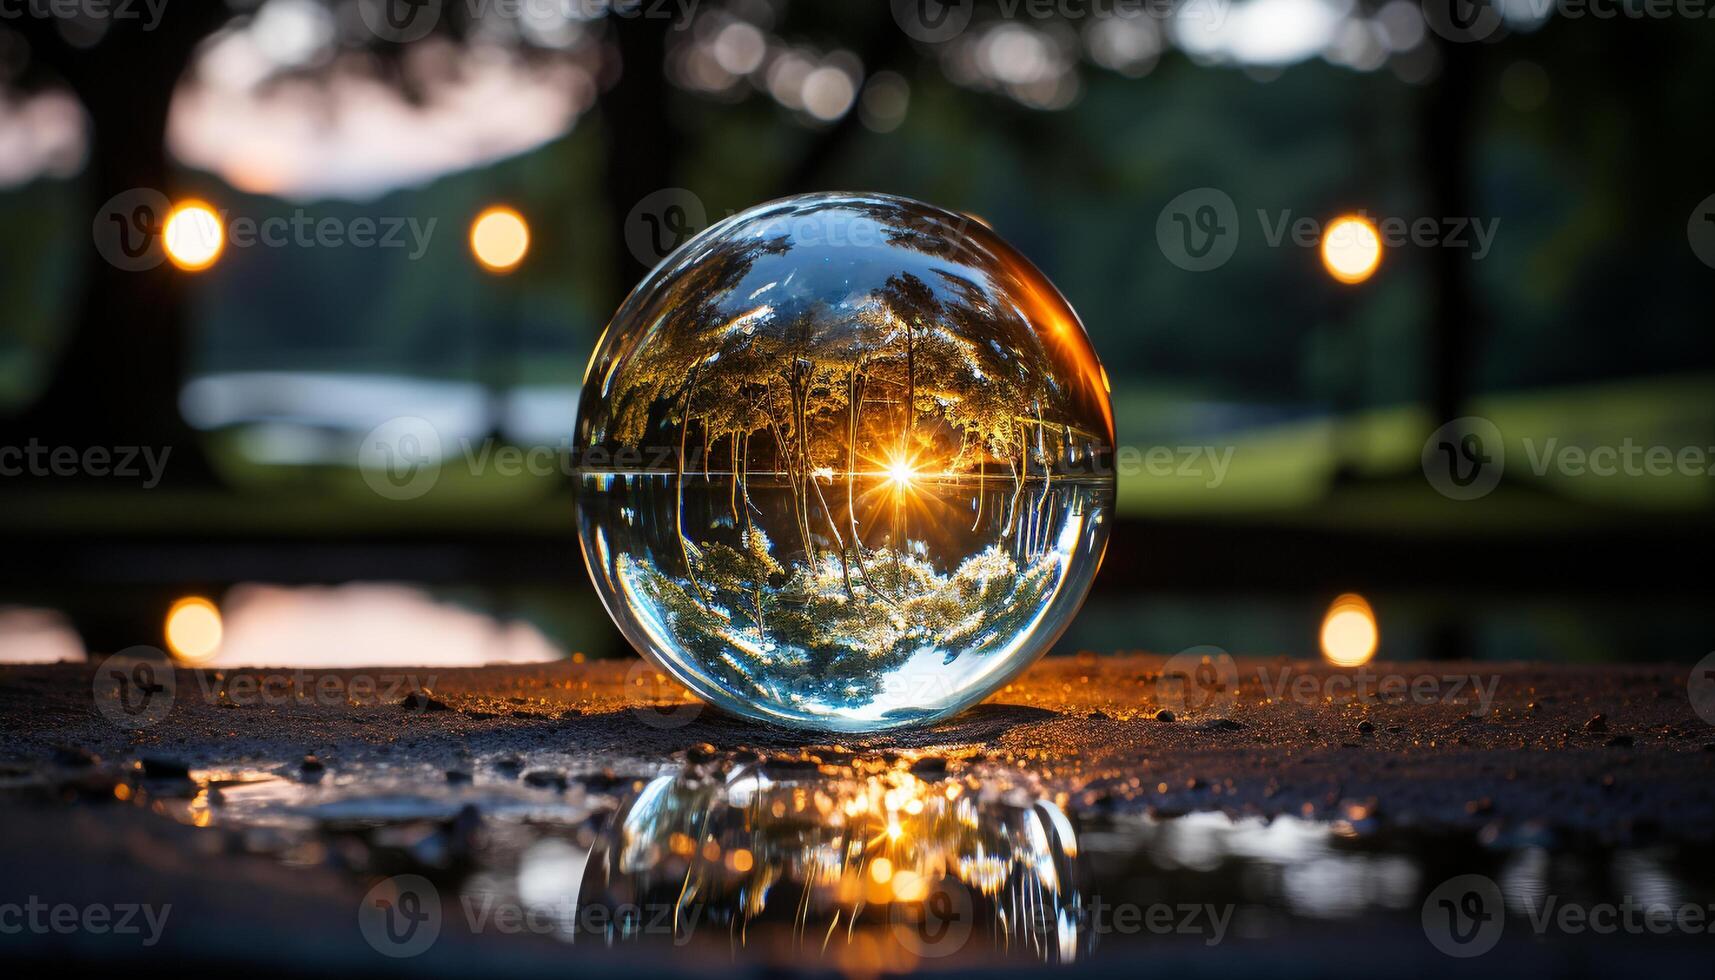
(844, 462)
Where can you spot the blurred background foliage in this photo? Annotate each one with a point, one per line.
(1584, 140)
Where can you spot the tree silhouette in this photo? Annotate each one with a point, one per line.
(117, 377)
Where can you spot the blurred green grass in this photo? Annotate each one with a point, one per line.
(1288, 470)
(1283, 473)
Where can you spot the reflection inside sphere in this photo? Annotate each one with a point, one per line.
(844, 462)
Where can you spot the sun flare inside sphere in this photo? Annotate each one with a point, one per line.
(900, 472)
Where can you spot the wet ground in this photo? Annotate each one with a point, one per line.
(1210, 815)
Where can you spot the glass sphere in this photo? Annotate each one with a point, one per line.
(844, 462)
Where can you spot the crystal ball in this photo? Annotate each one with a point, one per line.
(844, 462)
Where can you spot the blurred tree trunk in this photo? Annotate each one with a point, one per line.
(116, 379)
(642, 145)
(1455, 321)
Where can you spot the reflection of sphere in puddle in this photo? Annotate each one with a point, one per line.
(803, 860)
(845, 462)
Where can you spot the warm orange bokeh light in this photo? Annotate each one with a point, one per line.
(499, 238)
(194, 629)
(193, 236)
(910, 886)
(881, 869)
(1351, 248)
(1349, 632)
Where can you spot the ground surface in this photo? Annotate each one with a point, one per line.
(1597, 750)
(1511, 756)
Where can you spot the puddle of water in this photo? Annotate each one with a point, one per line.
(866, 865)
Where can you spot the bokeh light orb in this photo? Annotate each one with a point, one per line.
(844, 462)
(193, 236)
(1351, 249)
(194, 629)
(1349, 631)
(499, 238)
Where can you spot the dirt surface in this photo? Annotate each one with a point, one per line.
(1606, 753)
(263, 808)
